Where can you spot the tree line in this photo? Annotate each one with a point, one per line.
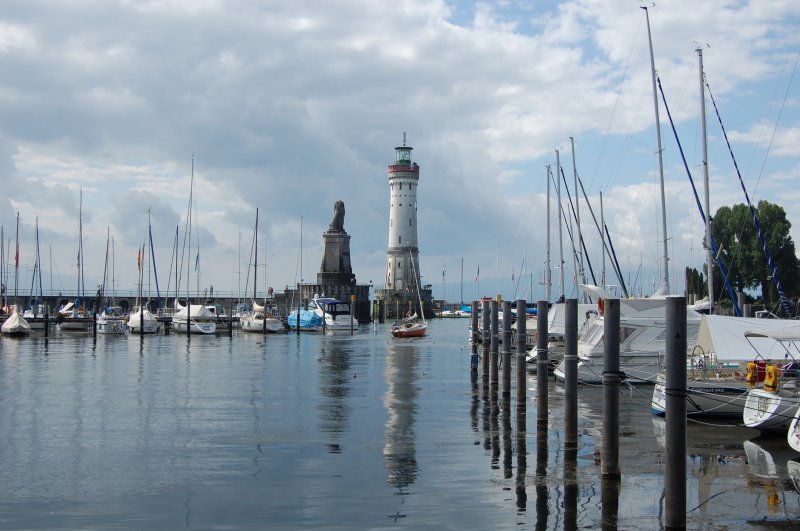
(739, 248)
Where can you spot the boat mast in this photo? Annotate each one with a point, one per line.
(706, 200)
(16, 265)
(105, 269)
(416, 279)
(664, 289)
(560, 235)
(603, 239)
(580, 295)
(255, 257)
(462, 281)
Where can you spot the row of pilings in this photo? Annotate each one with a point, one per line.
(488, 359)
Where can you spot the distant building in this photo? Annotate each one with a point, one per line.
(399, 295)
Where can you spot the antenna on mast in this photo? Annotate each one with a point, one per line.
(404, 138)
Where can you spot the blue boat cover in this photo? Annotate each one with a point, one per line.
(308, 319)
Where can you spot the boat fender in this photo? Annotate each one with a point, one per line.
(752, 374)
(771, 379)
(601, 305)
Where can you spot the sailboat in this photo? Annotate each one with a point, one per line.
(111, 320)
(73, 316)
(15, 324)
(259, 319)
(35, 313)
(192, 318)
(412, 326)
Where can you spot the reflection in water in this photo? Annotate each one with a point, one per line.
(542, 495)
(335, 385)
(571, 488)
(399, 450)
(522, 459)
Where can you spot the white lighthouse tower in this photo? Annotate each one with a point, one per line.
(401, 275)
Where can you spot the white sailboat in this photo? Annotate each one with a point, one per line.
(192, 318)
(15, 324)
(259, 319)
(412, 326)
(111, 319)
(73, 316)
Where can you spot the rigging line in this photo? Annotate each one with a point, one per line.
(713, 243)
(772, 265)
(777, 121)
(616, 100)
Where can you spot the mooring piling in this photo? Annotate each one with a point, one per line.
(486, 339)
(609, 466)
(542, 355)
(506, 354)
(675, 416)
(494, 342)
(571, 374)
(474, 335)
(521, 344)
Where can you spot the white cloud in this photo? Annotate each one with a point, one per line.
(291, 106)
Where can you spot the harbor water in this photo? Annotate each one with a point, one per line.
(340, 431)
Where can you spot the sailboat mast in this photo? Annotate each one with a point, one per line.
(578, 222)
(560, 235)
(255, 257)
(39, 263)
(603, 238)
(81, 285)
(664, 289)
(16, 265)
(105, 268)
(462, 281)
(706, 199)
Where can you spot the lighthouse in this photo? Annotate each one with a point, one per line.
(402, 250)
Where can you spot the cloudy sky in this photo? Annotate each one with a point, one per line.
(290, 106)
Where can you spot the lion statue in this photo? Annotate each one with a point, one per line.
(337, 224)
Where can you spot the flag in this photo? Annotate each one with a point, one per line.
(139, 259)
(197, 261)
(512, 273)
(478, 274)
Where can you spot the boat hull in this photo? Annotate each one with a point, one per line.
(793, 434)
(765, 410)
(256, 325)
(637, 369)
(704, 398)
(410, 330)
(195, 327)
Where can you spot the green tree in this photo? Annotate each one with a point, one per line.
(695, 283)
(739, 247)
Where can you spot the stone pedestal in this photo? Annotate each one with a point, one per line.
(336, 268)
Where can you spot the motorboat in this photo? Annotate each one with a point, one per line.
(334, 314)
(642, 331)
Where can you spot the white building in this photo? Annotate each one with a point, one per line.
(402, 247)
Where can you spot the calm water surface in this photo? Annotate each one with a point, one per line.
(336, 431)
